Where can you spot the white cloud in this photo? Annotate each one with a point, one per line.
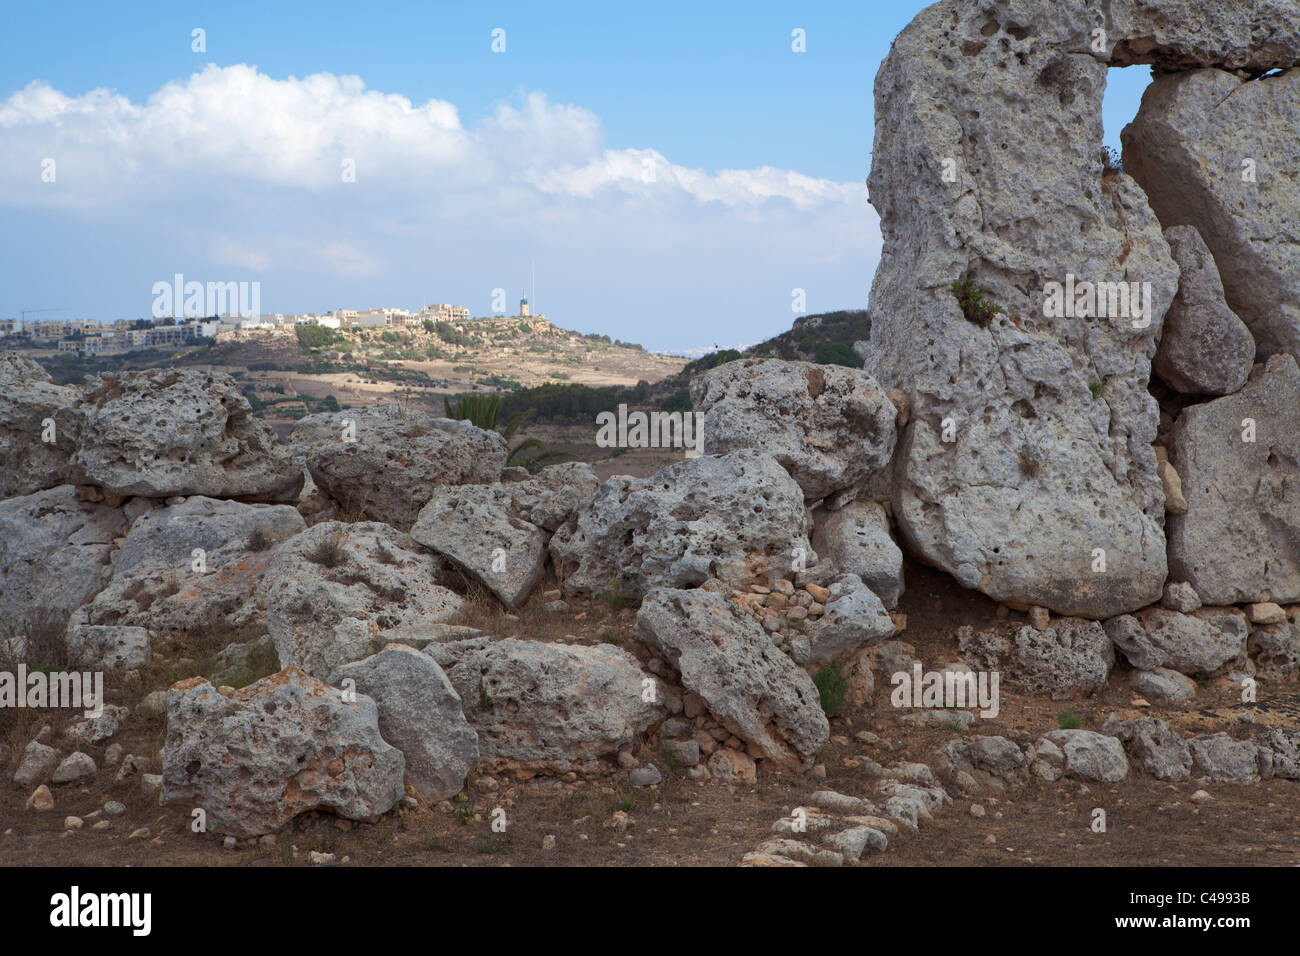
(232, 169)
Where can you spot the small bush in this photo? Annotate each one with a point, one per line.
(837, 353)
(1069, 720)
(622, 592)
(974, 306)
(832, 689)
(328, 552)
(1096, 386)
(259, 540)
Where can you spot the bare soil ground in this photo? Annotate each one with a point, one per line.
(683, 823)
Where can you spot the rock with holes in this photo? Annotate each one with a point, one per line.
(160, 433)
(384, 462)
(471, 526)
(34, 455)
(856, 540)
(1156, 746)
(1205, 348)
(192, 566)
(831, 427)
(1022, 288)
(753, 689)
(731, 517)
(1276, 650)
(1198, 643)
(550, 707)
(338, 592)
(1073, 656)
(548, 498)
(419, 714)
(1239, 458)
(1185, 149)
(55, 554)
(255, 758)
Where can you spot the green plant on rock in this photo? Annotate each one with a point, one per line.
(483, 411)
(974, 306)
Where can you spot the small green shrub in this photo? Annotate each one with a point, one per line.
(832, 688)
(974, 306)
(621, 592)
(1069, 720)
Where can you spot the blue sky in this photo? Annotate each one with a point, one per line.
(673, 170)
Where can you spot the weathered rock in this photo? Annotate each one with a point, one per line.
(419, 714)
(754, 690)
(552, 707)
(1162, 685)
(28, 403)
(285, 745)
(54, 554)
(854, 618)
(1185, 149)
(548, 498)
(37, 764)
(1265, 612)
(1155, 745)
(1225, 760)
(338, 592)
(830, 427)
(472, 527)
(95, 730)
(193, 566)
(75, 767)
(160, 433)
(732, 517)
(1240, 538)
(111, 647)
(733, 767)
(1205, 348)
(1285, 745)
(853, 841)
(397, 460)
(987, 164)
(996, 756)
(856, 540)
(1090, 755)
(1197, 643)
(1073, 656)
(1276, 649)
(1180, 597)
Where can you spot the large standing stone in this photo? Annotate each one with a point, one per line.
(551, 707)
(176, 432)
(1090, 755)
(256, 758)
(338, 592)
(987, 164)
(753, 689)
(192, 566)
(28, 403)
(419, 714)
(730, 517)
(1218, 152)
(385, 462)
(1225, 760)
(1239, 458)
(1205, 348)
(54, 554)
(471, 525)
(830, 427)
(856, 540)
(1276, 649)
